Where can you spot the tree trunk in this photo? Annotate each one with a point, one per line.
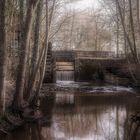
(138, 15)
(36, 34)
(126, 34)
(133, 30)
(2, 53)
(18, 96)
(35, 49)
(118, 27)
(34, 94)
(51, 14)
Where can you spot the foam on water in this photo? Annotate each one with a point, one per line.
(89, 88)
(112, 89)
(67, 84)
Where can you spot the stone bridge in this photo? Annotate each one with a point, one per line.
(73, 63)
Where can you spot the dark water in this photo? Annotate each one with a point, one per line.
(81, 116)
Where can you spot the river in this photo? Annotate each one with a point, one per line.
(81, 111)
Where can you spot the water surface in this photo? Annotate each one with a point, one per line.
(82, 116)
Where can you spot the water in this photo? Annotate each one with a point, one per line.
(64, 75)
(82, 116)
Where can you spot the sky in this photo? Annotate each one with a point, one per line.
(83, 4)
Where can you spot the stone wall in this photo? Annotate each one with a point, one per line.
(48, 78)
(92, 69)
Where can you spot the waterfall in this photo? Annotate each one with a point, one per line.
(64, 75)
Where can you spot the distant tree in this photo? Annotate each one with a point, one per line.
(83, 30)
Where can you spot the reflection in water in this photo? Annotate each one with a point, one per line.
(62, 99)
(26, 133)
(101, 122)
(80, 117)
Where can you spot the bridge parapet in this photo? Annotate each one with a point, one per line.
(64, 56)
(95, 54)
(72, 55)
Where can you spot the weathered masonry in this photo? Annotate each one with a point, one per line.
(78, 65)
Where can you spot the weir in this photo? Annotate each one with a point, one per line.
(64, 75)
(76, 65)
(64, 71)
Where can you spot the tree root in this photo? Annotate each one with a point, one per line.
(11, 121)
